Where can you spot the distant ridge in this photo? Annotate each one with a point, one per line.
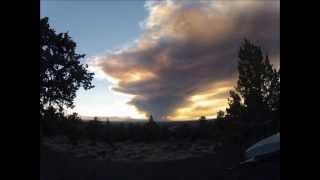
(128, 119)
(104, 118)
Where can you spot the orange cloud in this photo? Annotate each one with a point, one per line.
(204, 103)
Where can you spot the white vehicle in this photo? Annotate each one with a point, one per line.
(266, 148)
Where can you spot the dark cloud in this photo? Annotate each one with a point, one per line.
(193, 49)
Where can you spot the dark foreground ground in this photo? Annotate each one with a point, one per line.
(59, 166)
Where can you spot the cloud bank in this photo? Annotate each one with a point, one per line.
(184, 63)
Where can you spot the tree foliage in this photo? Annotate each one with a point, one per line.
(236, 108)
(259, 82)
(61, 72)
(220, 115)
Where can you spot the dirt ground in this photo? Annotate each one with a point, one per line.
(60, 166)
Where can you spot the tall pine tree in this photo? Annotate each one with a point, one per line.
(258, 85)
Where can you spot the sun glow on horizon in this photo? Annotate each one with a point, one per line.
(117, 109)
(206, 103)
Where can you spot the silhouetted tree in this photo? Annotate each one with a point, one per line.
(61, 73)
(151, 123)
(152, 130)
(74, 117)
(203, 129)
(93, 130)
(236, 108)
(271, 89)
(258, 85)
(202, 122)
(107, 132)
(202, 118)
(251, 69)
(51, 121)
(71, 128)
(220, 114)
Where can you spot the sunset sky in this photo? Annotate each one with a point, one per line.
(173, 59)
